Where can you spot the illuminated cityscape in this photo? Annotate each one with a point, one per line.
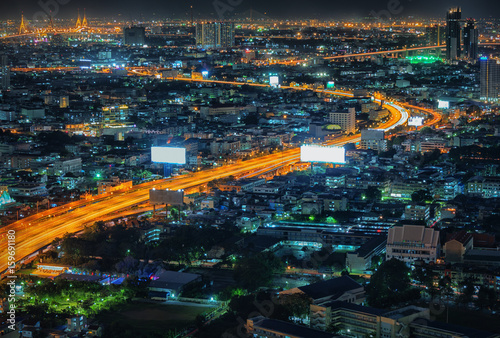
(249, 169)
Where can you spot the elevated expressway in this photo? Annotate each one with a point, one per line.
(37, 231)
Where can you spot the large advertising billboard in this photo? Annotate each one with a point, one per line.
(324, 154)
(170, 197)
(416, 121)
(172, 155)
(274, 81)
(443, 104)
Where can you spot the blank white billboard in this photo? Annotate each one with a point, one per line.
(274, 81)
(443, 104)
(173, 155)
(416, 121)
(325, 154)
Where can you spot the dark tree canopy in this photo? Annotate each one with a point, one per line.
(390, 285)
(256, 271)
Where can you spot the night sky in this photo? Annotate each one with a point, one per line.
(147, 9)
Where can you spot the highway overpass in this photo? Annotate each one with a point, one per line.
(37, 231)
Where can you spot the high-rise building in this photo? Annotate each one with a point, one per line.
(345, 119)
(4, 60)
(453, 33)
(134, 36)
(490, 78)
(471, 40)
(436, 35)
(215, 35)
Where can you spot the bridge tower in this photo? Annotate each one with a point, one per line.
(51, 27)
(78, 21)
(22, 27)
(84, 21)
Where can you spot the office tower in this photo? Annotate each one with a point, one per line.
(134, 36)
(345, 120)
(490, 78)
(471, 40)
(5, 72)
(215, 35)
(436, 35)
(453, 33)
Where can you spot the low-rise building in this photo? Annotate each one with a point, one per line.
(342, 289)
(28, 190)
(354, 320)
(261, 327)
(411, 243)
(417, 212)
(361, 259)
(456, 247)
(170, 284)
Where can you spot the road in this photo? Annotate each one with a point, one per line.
(382, 52)
(37, 231)
(436, 116)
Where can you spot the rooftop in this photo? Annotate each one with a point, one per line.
(289, 329)
(333, 287)
(461, 330)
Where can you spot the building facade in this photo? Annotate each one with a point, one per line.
(345, 119)
(471, 40)
(373, 139)
(453, 33)
(134, 36)
(215, 35)
(490, 78)
(410, 243)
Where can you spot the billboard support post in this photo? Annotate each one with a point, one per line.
(167, 170)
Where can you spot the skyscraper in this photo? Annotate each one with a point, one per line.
(436, 35)
(5, 72)
(134, 36)
(215, 35)
(490, 78)
(453, 33)
(471, 40)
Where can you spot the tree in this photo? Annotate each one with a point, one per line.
(486, 297)
(425, 276)
(426, 131)
(466, 291)
(256, 271)
(373, 194)
(388, 284)
(421, 196)
(128, 265)
(297, 304)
